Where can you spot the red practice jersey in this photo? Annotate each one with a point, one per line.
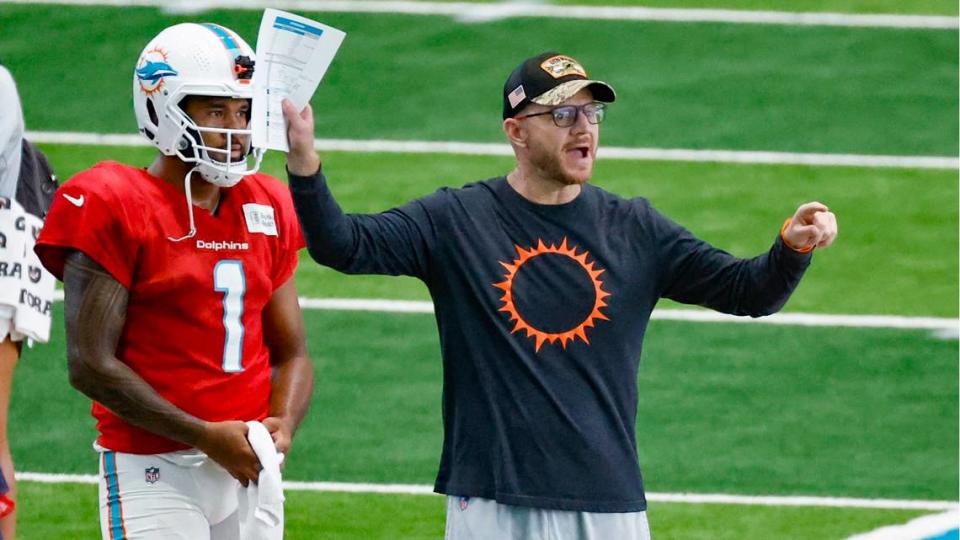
(193, 326)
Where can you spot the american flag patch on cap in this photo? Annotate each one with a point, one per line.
(516, 96)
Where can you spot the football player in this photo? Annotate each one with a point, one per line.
(181, 308)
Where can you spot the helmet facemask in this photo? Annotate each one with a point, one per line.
(215, 164)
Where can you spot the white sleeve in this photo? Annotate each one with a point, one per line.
(11, 134)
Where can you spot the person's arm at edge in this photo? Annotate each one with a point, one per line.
(292, 380)
(330, 238)
(95, 306)
(11, 134)
(394, 242)
(702, 274)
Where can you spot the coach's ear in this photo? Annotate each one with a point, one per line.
(515, 132)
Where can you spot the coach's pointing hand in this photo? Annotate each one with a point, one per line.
(813, 225)
(302, 160)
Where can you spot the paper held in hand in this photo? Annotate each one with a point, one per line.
(293, 53)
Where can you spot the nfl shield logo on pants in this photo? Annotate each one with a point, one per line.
(151, 474)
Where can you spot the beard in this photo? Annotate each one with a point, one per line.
(550, 167)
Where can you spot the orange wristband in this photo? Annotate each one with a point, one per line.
(783, 229)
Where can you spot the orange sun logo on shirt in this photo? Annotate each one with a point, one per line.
(540, 336)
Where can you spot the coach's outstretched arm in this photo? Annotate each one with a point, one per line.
(696, 272)
(394, 242)
(329, 236)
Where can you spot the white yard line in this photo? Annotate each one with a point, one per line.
(772, 500)
(491, 11)
(814, 319)
(949, 326)
(915, 529)
(498, 149)
(691, 315)
(697, 498)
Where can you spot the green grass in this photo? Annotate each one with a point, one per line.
(896, 253)
(709, 522)
(309, 515)
(913, 7)
(43, 511)
(340, 516)
(814, 89)
(723, 408)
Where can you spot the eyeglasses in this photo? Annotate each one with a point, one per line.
(566, 115)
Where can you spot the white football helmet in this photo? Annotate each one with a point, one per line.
(195, 60)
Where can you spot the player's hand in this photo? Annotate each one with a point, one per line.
(813, 225)
(302, 160)
(226, 443)
(282, 434)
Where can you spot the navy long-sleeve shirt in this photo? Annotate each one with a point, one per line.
(541, 311)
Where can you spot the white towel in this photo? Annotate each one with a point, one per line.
(12, 245)
(35, 308)
(26, 288)
(261, 507)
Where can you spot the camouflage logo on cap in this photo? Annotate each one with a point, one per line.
(561, 66)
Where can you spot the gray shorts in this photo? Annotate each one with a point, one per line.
(473, 518)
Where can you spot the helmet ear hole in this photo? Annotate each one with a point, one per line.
(152, 112)
(186, 147)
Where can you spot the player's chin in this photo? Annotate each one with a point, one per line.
(236, 155)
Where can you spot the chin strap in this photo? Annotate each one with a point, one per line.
(186, 189)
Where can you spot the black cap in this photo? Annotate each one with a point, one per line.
(549, 79)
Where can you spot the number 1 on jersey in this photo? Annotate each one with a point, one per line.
(228, 278)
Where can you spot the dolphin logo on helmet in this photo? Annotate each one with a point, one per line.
(152, 69)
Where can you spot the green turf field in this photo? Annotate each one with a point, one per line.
(829, 404)
(337, 516)
(805, 89)
(910, 262)
(740, 409)
(913, 7)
